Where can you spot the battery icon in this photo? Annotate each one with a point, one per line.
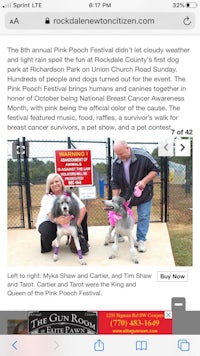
(191, 4)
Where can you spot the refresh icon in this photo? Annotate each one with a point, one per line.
(187, 21)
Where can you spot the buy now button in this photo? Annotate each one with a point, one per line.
(170, 276)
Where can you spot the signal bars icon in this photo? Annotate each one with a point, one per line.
(7, 5)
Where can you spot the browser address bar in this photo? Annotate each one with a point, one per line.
(99, 21)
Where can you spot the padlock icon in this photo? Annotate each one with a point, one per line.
(47, 21)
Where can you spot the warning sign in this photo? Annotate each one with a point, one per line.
(74, 166)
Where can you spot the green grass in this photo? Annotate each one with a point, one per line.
(181, 242)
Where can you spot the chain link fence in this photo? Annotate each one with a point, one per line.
(41, 158)
(180, 193)
(27, 177)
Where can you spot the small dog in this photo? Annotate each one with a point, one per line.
(67, 206)
(121, 220)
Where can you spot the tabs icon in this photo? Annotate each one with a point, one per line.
(183, 345)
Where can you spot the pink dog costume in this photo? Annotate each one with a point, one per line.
(113, 217)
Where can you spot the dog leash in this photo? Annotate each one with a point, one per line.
(137, 192)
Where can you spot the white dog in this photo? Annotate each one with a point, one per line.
(67, 206)
(121, 220)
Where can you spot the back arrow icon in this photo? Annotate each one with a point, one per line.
(14, 345)
(165, 147)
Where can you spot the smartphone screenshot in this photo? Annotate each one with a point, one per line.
(99, 147)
